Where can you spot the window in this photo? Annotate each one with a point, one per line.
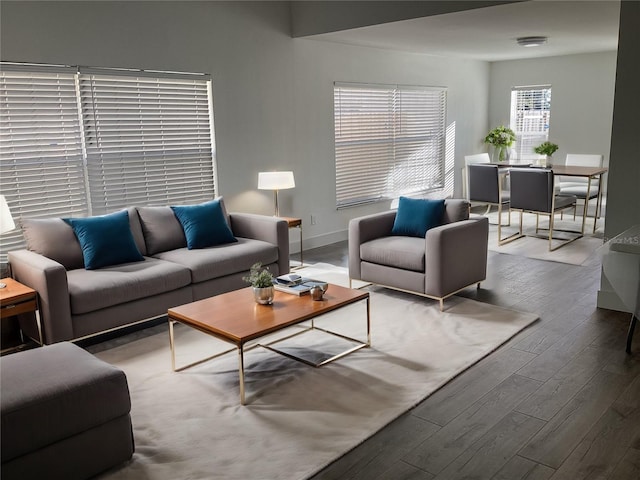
(76, 142)
(389, 141)
(530, 114)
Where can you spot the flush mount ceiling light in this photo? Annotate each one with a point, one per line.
(531, 41)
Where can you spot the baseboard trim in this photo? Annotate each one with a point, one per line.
(317, 241)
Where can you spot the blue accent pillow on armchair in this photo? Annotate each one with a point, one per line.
(105, 240)
(416, 215)
(204, 225)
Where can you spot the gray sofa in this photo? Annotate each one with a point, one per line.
(76, 303)
(449, 258)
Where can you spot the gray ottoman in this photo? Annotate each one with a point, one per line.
(65, 414)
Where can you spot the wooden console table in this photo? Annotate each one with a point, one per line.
(296, 223)
(16, 299)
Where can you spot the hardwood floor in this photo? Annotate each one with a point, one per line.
(561, 400)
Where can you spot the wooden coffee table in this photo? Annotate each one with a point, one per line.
(236, 318)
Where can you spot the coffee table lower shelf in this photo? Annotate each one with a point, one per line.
(209, 316)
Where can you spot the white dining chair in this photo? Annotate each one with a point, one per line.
(578, 185)
(579, 160)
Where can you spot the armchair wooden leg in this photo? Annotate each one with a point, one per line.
(442, 304)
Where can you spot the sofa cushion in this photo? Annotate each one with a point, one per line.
(52, 393)
(105, 240)
(402, 252)
(204, 225)
(114, 285)
(455, 210)
(53, 238)
(214, 262)
(162, 230)
(417, 215)
(136, 230)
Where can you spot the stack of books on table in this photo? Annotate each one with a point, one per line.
(294, 284)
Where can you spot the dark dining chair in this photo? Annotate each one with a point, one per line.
(485, 186)
(532, 190)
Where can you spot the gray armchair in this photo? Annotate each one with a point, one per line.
(450, 257)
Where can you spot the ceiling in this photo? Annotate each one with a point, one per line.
(489, 34)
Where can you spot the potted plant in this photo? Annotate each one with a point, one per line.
(502, 139)
(547, 149)
(262, 282)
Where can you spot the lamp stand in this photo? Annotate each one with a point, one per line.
(275, 196)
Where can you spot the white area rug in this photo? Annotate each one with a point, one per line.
(578, 252)
(299, 419)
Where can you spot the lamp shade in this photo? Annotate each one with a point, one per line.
(6, 220)
(275, 180)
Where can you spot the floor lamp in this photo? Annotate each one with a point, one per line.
(6, 222)
(275, 181)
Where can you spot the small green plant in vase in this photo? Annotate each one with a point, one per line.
(262, 282)
(502, 138)
(547, 149)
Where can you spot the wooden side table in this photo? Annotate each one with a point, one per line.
(296, 223)
(16, 299)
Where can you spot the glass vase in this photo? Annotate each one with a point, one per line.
(500, 154)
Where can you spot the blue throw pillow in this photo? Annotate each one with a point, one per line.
(415, 216)
(204, 225)
(105, 240)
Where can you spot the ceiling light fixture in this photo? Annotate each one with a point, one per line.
(531, 41)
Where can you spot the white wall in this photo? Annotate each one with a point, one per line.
(273, 95)
(319, 64)
(582, 90)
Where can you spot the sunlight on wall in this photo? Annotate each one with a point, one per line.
(449, 160)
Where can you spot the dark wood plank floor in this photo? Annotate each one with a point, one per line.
(561, 400)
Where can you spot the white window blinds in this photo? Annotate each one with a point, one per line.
(530, 115)
(389, 141)
(148, 140)
(75, 142)
(41, 164)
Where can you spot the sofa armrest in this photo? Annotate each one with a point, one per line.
(268, 229)
(49, 279)
(364, 229)
(456, 256)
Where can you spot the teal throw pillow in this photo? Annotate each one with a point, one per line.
(416, 215)
(105, 240)
(204, 225)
